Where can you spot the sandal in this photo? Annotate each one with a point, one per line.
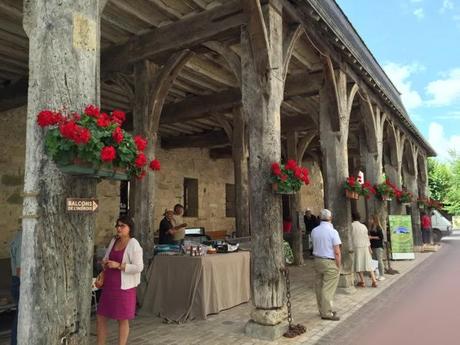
(374, 284)
(360, 284)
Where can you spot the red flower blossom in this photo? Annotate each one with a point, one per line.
(103, 120)
(284, 177)
(82, 135)
(49, 118)
(141, 160)
(92, 111)
(140, 142)
(155, 164)
(291, 164)
(117, 135)
(118, 116)
(108, 153)
(298, 172)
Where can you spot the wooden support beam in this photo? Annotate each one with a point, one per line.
(303, 84)
(185, 33)
(209, 139)
(198, 107)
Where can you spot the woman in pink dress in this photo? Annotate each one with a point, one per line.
(123, 264)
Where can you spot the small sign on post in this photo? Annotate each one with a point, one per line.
(81, 205)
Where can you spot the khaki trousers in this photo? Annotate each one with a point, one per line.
(326, 280)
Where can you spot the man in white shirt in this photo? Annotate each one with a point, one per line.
(326, 250)
(178, 222)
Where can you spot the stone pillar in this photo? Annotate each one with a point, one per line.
(57, 248)
(335, 108)
(262, 94)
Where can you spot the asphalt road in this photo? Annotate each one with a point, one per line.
(422, 308)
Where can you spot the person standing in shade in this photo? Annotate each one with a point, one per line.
(178, 222)
(15, 254)
(311, 222)
(376, 238)
(426, 228)
(123, 264)
(326, 250)
(361, 249)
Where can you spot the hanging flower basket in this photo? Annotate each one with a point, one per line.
(93, 144)
(276, 189)
(351, 194)
(288, 178)
(404, 197)
(92, 172)
(385, 191)
(353, 188)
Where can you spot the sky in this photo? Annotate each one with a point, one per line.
(417, 42)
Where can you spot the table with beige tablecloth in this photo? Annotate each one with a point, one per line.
(182, 288)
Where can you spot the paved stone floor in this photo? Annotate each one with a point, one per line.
(227, 327)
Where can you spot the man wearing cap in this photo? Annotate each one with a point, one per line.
(326, 250)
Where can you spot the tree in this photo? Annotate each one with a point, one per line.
(439, 179)
(453, 193)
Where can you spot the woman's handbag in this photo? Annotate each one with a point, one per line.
(99, 280)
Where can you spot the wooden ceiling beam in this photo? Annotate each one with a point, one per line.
(185, 33)
(209, 139)
(200, 106)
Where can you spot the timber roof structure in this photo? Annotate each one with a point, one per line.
(200, 100)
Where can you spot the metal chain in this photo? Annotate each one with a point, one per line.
(294, 330)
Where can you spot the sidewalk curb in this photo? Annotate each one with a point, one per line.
(316, 334)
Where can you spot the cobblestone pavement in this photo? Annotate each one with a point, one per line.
(227, 327)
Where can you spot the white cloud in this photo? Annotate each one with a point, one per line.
(445, 91)
(447, 5)
(399, 75)
(440, 142)
(450, 115)
(419, 13)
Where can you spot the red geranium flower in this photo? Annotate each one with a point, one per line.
(140, 142)
(92, 111)
(108, 153)
(284, 177)
(82, 135)
(117, 135)
(291, 164)
(103, 120)
(155, 164)
(118, 116)
(141, 160)
(48, 118)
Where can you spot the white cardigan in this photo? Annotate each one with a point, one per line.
(134, 263)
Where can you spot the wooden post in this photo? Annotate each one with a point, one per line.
(240, 162)
(335, 108)
(151, 86)
(142, 193)
(294, 202)
(57, 248)
(371, 150)
(262, 94)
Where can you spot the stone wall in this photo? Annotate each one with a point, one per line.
(212, 176)
(176, 164)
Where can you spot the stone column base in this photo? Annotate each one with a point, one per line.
(265, 332)
(346, 284)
